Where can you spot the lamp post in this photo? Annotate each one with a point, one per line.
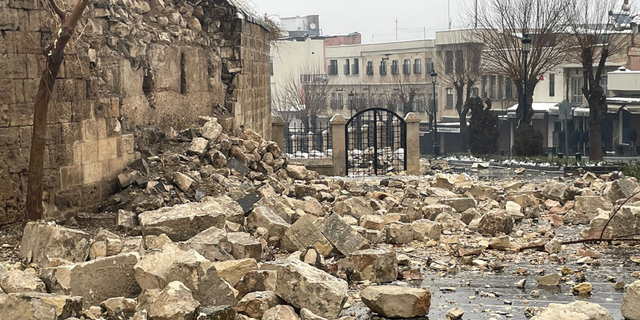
(351, 102)
(436, 141)
(526, 47)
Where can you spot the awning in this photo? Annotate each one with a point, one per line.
(550, 108)
(632, 105)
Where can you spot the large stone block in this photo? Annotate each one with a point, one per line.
(263, 217)
(304, 286)
(341, 235)
(41, 241)
(303, 234)
(96, 280)
(183, 221)
(39, 306)
(158, 269)
(631, 302)
(375, 265)
(244, 246)
(576, 310)
(397, 302)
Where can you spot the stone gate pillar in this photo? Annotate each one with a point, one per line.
(413, 143)
(277, 131)
(339, 145)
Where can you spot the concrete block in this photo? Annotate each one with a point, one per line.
(18, 90)
(25, 136)
(8, 18)
(92, 172)
(89, 130)
(101, 126)
(82, 110)
(71, 176)
(35, 65)
(115, 167)
(31, 91)
(71, 132)
(89, 152)
(7, 91)
(9, 137)
(29, 41)
(128, 142)
(107, 149)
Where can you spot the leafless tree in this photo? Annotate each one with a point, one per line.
(501, 26)
(462, 73)
(405, 90)
(54, 55)
(596, 35)
(303, 94)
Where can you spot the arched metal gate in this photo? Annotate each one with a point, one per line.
(376, 143)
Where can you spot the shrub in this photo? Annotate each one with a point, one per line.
(484, 132)
(528, 141)
(631, 169)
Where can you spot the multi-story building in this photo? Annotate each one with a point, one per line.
(396, 76)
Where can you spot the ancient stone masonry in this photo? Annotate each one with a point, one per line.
(131, 63)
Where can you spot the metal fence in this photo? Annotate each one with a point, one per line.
(306, 142)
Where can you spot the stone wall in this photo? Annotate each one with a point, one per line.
(130, 63)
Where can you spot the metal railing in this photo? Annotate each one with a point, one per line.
(306, 142)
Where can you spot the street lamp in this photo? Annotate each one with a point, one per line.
(526, 47)
(436, 142)
(351, 102)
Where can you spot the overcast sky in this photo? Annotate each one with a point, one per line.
(374, 19)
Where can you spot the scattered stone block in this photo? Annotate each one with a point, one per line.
(397, 302)
(304, 286)
(375, 265)
(42, 241)
(341, 235)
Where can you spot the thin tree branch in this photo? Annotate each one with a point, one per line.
(58, 11)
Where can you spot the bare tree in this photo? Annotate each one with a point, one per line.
(462, 73)
(405, 89)
(55, 55)
(502, 25)
(303, 94)
(596, 35)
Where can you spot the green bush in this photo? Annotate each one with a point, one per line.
(528, 141)
(484, 133)
(631, 169)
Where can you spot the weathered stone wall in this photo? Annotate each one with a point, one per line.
(130, 63)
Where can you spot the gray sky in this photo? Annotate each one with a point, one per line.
(372, 17)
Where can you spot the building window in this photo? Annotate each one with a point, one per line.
(448, 68)
(500, 86)
(333, 102)
(340, 101)
(576, 90)
(421, 106)
(508, 89)
(369, 68)
(406, 67)
(431, 105)
(474, 92)
(347, 67)
(417, 66)
(383, 67)
(271, 66)
(429, 65)
(395, 69)
(484, 87)
(333, 67)
(552, 85)
(459, 61)
(355, 67)
(492, 87)
(449, 104)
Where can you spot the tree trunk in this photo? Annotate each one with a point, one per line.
(47, 81)
(597, 111)
(462, 116)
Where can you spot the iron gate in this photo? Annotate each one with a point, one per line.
(376, 143)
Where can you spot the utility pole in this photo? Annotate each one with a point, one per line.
(396, 29)
(449, 13)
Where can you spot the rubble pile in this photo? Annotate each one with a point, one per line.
(231, 230)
